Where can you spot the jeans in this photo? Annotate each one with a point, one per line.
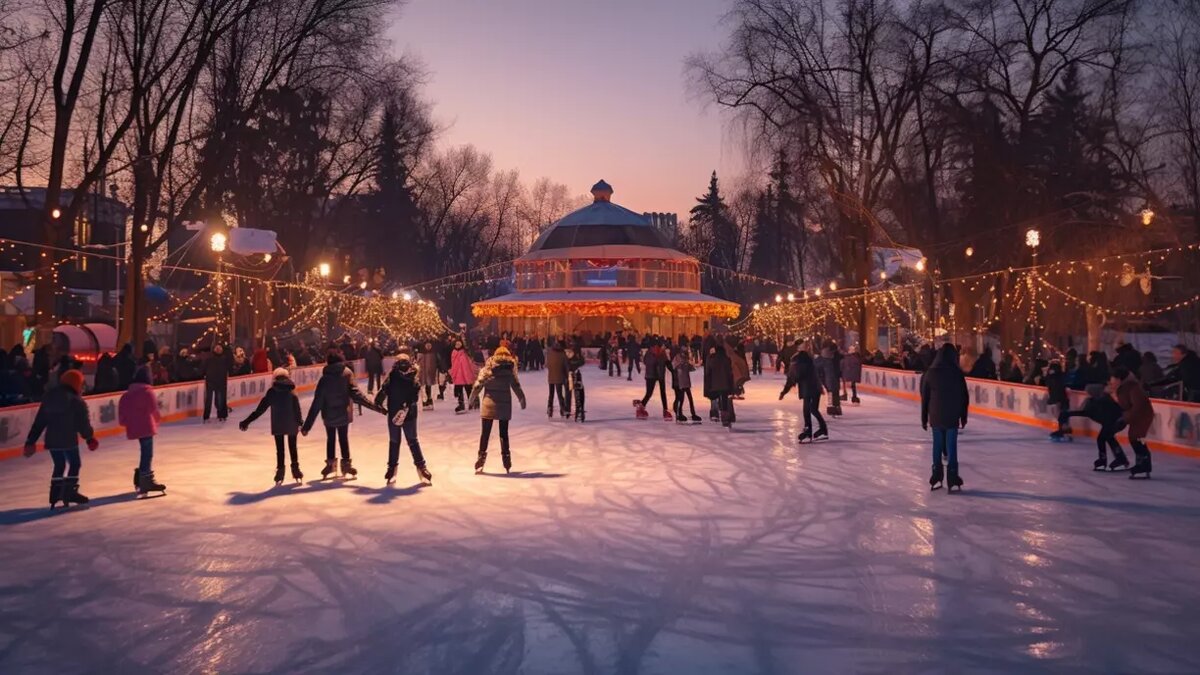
(216, 395)
(407, 431)
(147, 447)
(291, 442)
(561, 391)
(338, 435)
(811, 407)
(373, 380)
(64, 458)
(946, 440)
(662, 392)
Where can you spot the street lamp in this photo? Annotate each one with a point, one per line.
(970, 251)
(217, 242)
(791, 297)
(1033, 239)
(1147, 215)
(323, 270)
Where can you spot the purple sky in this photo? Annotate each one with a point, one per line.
(577, 90)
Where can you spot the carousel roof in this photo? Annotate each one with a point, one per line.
(601, 223)
(604, 303)
(608, 252)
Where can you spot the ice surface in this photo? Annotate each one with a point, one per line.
(620, 546)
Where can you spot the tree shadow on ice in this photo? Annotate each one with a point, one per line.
(27, 515)
(522, 474)
(386, 494)
(1185, 511)
(243, 498)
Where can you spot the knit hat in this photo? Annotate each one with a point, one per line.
(503, 351)
(281, 373)
(73, 379)
(142, 375)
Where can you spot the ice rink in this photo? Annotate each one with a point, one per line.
(617, 546)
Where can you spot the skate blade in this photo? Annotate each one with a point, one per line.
(935, 487)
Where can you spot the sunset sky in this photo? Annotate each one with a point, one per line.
(577, 90)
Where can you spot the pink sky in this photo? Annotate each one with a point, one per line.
(577, 91)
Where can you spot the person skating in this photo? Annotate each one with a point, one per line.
(427, 369)
(556, 380)
(286, 417)
(828, 366)
(718, 383)
(633, 356)
(576, 394)
(944, 403)
(462, 374)
(137, 411)
(681, 384)
(802, 374)
(656, 363)
(1102, 409)
(1056, 395)
(852, 373)
(496, 383)
(741, 367)
(334, 399)
(616, 350)
(373, 362)
(216, 383)
(1138, 414)
(398, 395)
(64, 416)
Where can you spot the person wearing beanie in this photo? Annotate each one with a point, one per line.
(556, 379)
(334, 399)
(284, 405)
(1137, 413)
(398, 395)
(462, 374)
(137, 411)
(944, 403)
(495, 385)
(64, 416)
(1106, 413)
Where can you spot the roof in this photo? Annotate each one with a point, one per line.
(600, 223)
(606, 252)
(605, 303)
(604, 296)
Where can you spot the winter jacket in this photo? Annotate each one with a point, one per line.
(718, 375)
(682, 372)
(1149, 372)
(335, 397)
(1100, 408)
(260, 362)
(285, 408)
(1127, 357)
(852, 367)
(216, 371)
(802, 374)
(556, 365)
(462, 369)
(137, 411)
(427, 367)
(63, 415)
(495, 385)
(985, 367)
(1139, 412)
(1186, 371)
(373, 360)
(125, 364)
(656, 364)
(401, 389)
(944, 397)
(828, 371)
(738, 364)
(1056, 389)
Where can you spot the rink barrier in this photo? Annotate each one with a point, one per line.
(175, 402)
(1174, 429)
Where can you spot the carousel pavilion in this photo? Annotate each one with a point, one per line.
(604, 268)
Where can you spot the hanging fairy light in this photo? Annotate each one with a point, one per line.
(778, 298)
(408, 296)
(323, 270)
(833, 285)
(970, 251)
(1033, 238)
(1147, 215)
(266, 257)
(217, 242)
(791, 297)
(882, 275)
(921, 265)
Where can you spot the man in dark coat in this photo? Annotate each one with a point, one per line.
(657, 363)
(802, 374)
(125, 364)
(373, 362)
(1185, 372)
(216, 383)
(334, 399)
(944, 402)
(718, 383)
(284, 405)
(556, 378)
(1127, 357)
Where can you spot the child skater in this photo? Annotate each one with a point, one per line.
(64, 416)
(137, 411)
(399, 394)
(681, 383)
(496, 384)
(281, 399)
(575, 391)
(334, 399)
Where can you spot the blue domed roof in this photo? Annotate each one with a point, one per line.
(601, 223)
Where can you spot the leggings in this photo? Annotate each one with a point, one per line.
(561, 391)
(614, 362)
(340, 435)
(486, 434)
(811, 409)
(428, 392)
(678, 404)
(146, 445)
(65, 459)
(291, 442)
(662, 392)
(407, 431)
(460, 390)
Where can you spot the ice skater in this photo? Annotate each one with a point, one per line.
(718, 384)
(656, 363)
(284, 405)
(944, 403)
(576, 394)
(556, 380)
(137, 411)
(681, 384)
(1106, 413)
(462, 374)
(852, 374)
(1138, 413)
(64, 416)
(802, 374)
(495, 385)
(828, 365)
(1056, 395)
(427, 366)
(334, 399)
(398, 395)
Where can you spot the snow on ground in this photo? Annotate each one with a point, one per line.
(619, 546)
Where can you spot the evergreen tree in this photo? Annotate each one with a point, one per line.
(711, 222)
(394, 214)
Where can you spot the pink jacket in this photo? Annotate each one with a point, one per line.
(138, 411)
(462, 369)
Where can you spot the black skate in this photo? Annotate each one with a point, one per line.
(935, 479)
(821, 435)
(550, 411)
(296, 474)
(427, 405)
(423, 475)
(348, 469)
(147, 484)
(480, 462)
(137, 472)
(696, 419)
(1100, 464)
(71, 494)
(580, 415)
(953, 482)
(56, 493)
(279, 475)
(1141, 468)
(390, 475)
(1061, 436)
(855, 400)
(681, 419)
(459, 409)
(330, 467)
(1119, 463)
(805, 436)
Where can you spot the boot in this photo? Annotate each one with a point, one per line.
(696, 418)
(667, 416)
(296, 474)
(423, 474)
(330, 467)
(136, 477)
(1100, 464)
(680, 418)
(639, 411)
(550, 411)
(71, 492)
(279, 475)
(390, 475)
(953, 481)
(822, 434)
(805, 436)
(481, 461)
(505, 456)
(348, 468)
(56, 492)
(147, 483)
(1120, 461)
(459, 409)
(935, 480)
(1140, 467)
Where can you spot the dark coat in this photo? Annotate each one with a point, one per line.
(718, 375)
(495, 386)
(852, 367)
(373, 360)
(335, 397)
(125, 364)
(984, 367)
(1056, 389)
(656, 363)
(681, 372)
(1101, 409)
(944, 397)
(1127, 357)
(63, 415)
(556, 365)
(802, 374)
(216, 371)
(1139, 412)
(400, 390)
(281, 399)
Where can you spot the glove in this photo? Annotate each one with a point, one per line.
(964, 423)
(522, 405)
(30, 449)
(781, 396)
(92, 444)
(243, 426)
(924, 426)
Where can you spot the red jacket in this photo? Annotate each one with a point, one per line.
(259, 363)
(1139, 413)
(137, 411)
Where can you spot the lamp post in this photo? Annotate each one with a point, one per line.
(1033, 239)
(217, 243)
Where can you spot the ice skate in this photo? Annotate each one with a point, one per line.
(580, 415)
(805, 436)
(856, 400)
(667, 416)
(279, 475)
(480, 462)
(423, 475)
(348, 470)
(56, 493)
(954, 482)
(1119, 463)
(550, 411)
(1141, 468)
(71, 494)
(696, 419)
(681, 419)
(1061, 436)
(147, 484)
(427, 405)
(390, 476)
(459, 409)
(296, 473)
(821, 435)
(1100, 464)
(330, 467)
(639, 411)
(137, 472)
(935, 479)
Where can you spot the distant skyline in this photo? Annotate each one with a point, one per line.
(577, 91)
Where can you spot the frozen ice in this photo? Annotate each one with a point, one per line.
(617, 546)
